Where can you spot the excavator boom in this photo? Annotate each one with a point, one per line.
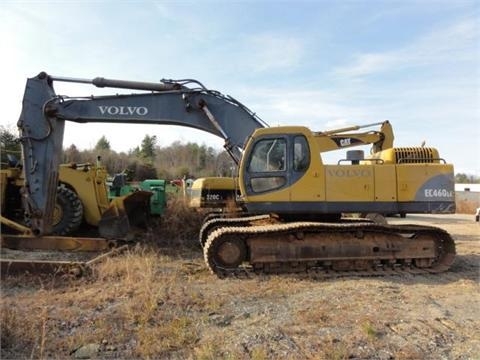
(44, 113)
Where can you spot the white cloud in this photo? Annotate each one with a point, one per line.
(270, 51)
(317, 109)
(367, 64)
(457, 42)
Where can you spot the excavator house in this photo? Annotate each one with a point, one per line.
(291, 203)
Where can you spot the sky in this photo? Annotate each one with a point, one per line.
(323, 64)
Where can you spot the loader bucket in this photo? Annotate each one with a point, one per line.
(124, 213)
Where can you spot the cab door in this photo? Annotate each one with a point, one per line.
(266, 174)
(306, 185)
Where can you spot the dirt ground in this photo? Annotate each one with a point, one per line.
(165, 304)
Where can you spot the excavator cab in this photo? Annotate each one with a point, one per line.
(274, 168)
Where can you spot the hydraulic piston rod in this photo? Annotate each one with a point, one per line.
(121, 84)
(350, 128)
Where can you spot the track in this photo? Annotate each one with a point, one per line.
(326, 249)
(221, 221)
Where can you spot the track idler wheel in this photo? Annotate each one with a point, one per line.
(225, 253)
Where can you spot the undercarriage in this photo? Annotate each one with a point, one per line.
(236, 247)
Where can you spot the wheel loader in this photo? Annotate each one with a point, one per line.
(291, 202)
(82, 203)
(82, 210)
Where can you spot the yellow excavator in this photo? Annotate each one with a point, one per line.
(291, 201)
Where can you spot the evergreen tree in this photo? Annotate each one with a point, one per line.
(147, 148)
(9, 144)
(102, 144)
(72, 155)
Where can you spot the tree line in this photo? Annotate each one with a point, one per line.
(146, 161)
(150, 161)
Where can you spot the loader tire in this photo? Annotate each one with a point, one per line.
(68, 213)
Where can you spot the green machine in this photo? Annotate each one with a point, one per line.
(158, 201)
(120, 187)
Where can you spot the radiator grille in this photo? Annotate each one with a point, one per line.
(415, 155)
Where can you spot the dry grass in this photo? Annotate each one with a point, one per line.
(177, 227)
(465, 207)
(145, 304)
(156, 306)
(139, 302)
(25, 337)
(158, 301)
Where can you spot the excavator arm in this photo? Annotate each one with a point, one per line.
(43, 116)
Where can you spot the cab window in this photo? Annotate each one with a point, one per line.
(268, 166)
(268, 155)
(301, 154)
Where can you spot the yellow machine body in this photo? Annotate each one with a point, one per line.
(413, 180)
(213, 192)
(82, 199)
(89, 182)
